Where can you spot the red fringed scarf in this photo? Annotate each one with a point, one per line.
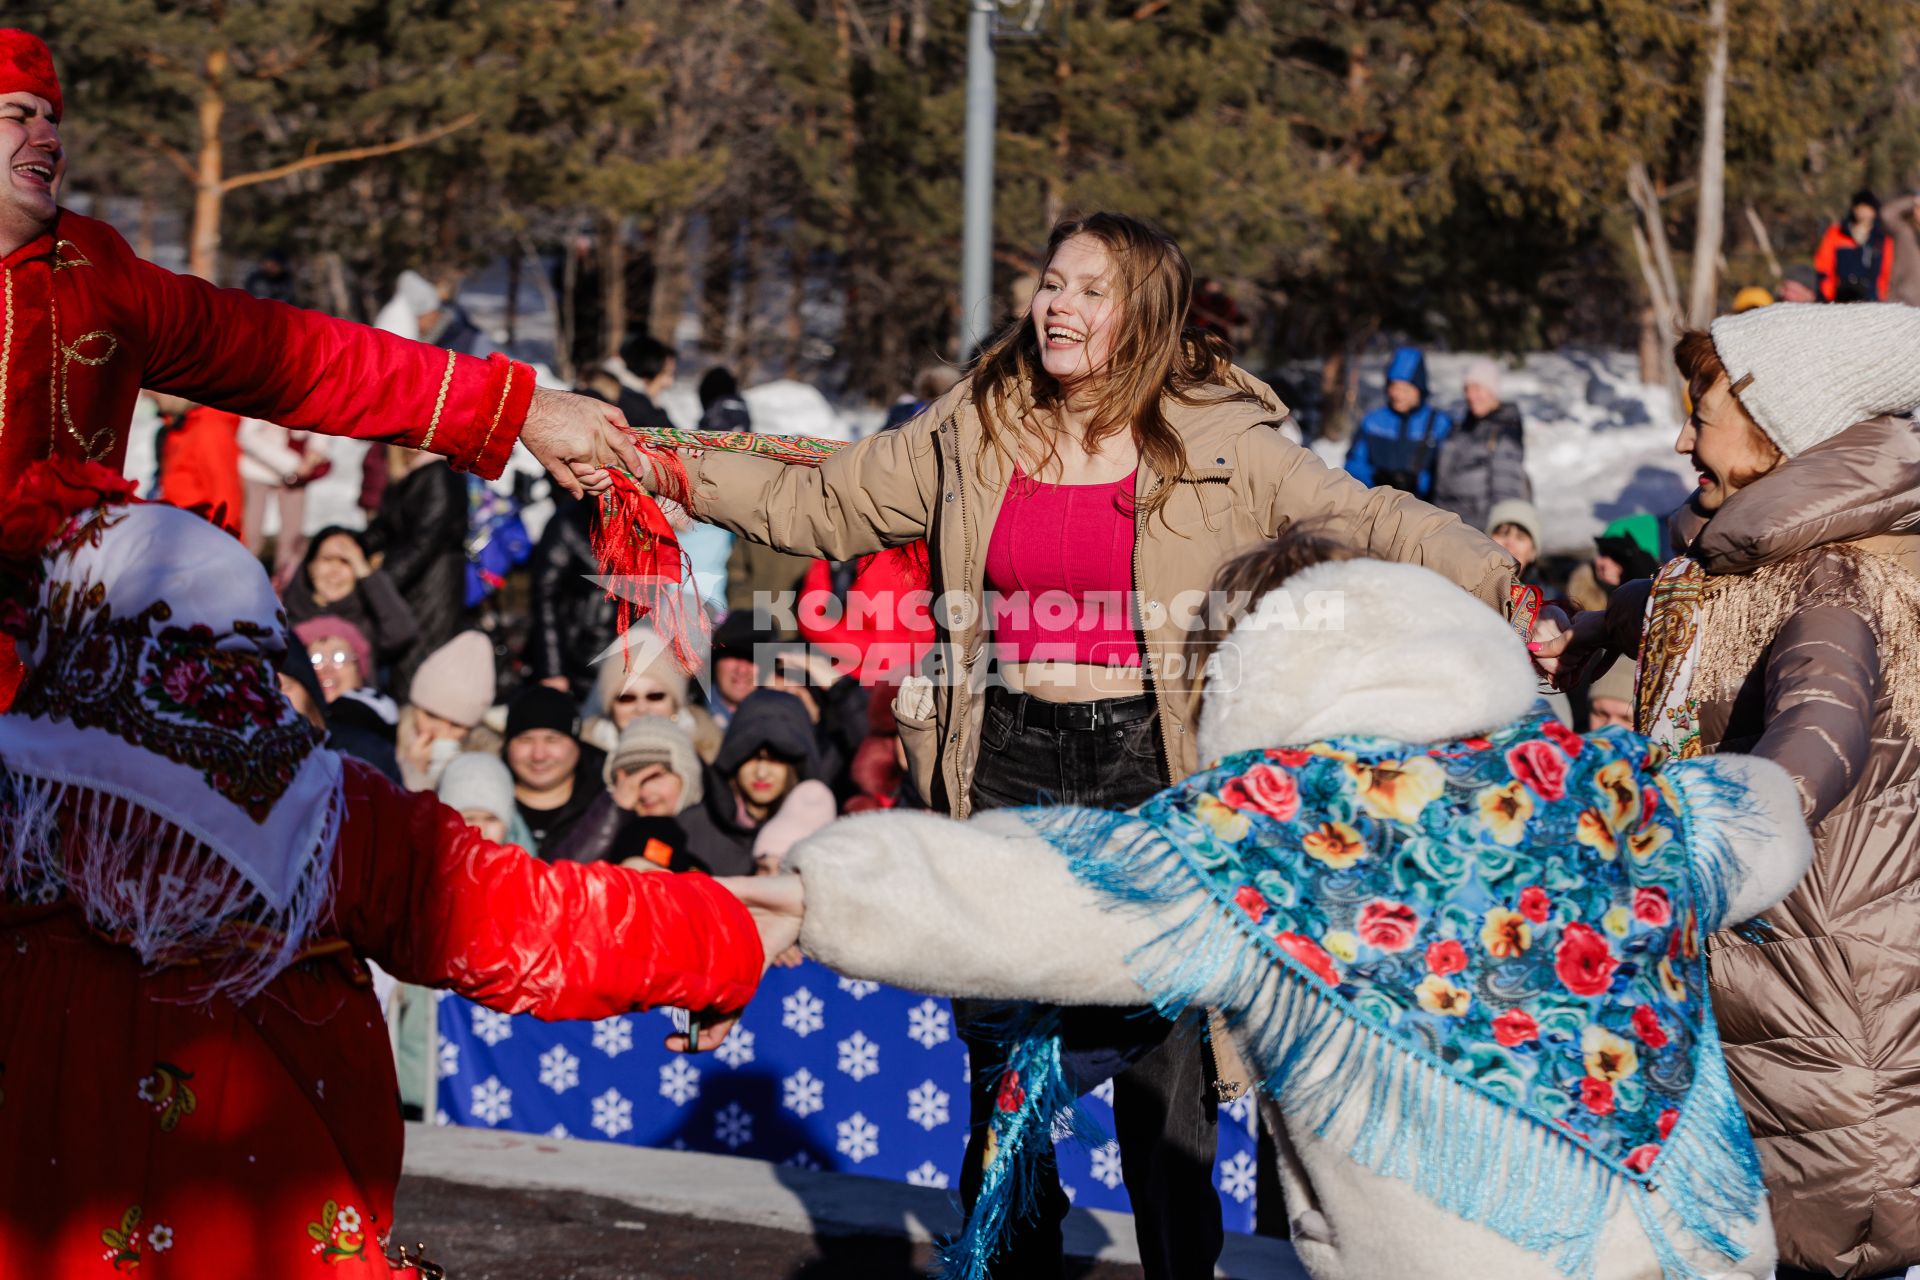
(648, 573)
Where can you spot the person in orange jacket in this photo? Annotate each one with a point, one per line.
(1855, 257)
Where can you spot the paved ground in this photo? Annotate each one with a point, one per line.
(491, 1233)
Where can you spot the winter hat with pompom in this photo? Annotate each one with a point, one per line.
(1807, 371)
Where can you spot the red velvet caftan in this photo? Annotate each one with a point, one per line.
(85, 324)
(144, 1133)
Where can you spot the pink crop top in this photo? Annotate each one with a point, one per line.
(1060, 573)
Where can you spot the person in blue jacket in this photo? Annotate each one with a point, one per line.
(1396, 445)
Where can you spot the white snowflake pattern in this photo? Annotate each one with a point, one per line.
(1071, 1192)
(1237, 1177)
(737, 1049)
(492, 1101)
(928, 1023)
(1106, 1165)
(800, 1160)
(734, 1126)
(1240, 1108)
(927, 1105)
(491, 1025)
(859, 1056)
(1104, 1091)
(613, 1036)
(558, 1131)
(441, 1118)
(449, 1058)
(680, 1082)
(802, 1013)
(858, 988)
(859, 1137)
(803, 1093)
(559, 1070)
(927, 1176)
(612, 1114)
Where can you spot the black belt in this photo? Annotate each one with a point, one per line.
(1106, 713)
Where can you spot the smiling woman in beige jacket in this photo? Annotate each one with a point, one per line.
(1100, 450)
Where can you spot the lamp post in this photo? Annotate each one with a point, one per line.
(976, 254)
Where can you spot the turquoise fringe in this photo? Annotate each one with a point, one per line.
(1474, 1156)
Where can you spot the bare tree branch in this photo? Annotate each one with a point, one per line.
(351, 153)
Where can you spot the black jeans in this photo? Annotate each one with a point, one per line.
(1165, 1118)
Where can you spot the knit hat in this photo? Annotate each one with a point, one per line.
(1802, 274)
(456, 681)
(1751, 298)
(1484, 373)
(26, 66)
(1808, 372)
(647, 654)
(474, 780)
(1616, 683)
(542, 708)
(657, 740)
(332, 624)
(1516, 511)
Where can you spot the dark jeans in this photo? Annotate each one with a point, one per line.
(1165, 1118)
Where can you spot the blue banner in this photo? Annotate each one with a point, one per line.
(823, 1072)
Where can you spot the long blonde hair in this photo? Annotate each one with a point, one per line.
(1155, 355)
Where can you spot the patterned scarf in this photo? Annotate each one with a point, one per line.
(1499, 935)
(1666, 701)
(151, 771)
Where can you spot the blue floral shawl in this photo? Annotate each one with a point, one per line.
(1500, 935)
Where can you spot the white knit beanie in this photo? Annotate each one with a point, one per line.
(475, 780)
(657, 740)
(1807, 371)
(1483, 373)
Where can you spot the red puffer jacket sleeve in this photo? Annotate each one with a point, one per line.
(427, 898)
(308, 371)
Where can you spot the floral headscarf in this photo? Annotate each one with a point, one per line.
(150, 767)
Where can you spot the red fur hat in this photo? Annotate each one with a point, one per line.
(27, 67)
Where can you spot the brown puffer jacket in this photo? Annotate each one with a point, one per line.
(1811, 657)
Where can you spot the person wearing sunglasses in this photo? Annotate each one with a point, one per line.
(646, 681)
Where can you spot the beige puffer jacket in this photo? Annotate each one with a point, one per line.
(1810, 657)
(935, 478)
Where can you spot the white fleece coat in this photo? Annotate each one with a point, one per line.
(985, 908)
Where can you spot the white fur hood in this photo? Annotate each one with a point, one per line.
(1363, 647)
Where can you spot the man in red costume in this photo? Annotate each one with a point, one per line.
(194, 1074)
(85, 324)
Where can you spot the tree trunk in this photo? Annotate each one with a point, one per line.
(1652, 358)
(337, 285)
(1335, 381)
(1056, 176)
(1765, 241)
(740, 327)
(716, 282)
(669, 277)
(564, 319)
(209, 188)
(1664, 283)
(1710, 218)
(613, 286)
(796, 326)
(513, 297)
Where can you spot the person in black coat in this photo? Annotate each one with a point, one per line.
(422, 531)
(573, 620)
(556, 777)
(336, 578)
(768, 751)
